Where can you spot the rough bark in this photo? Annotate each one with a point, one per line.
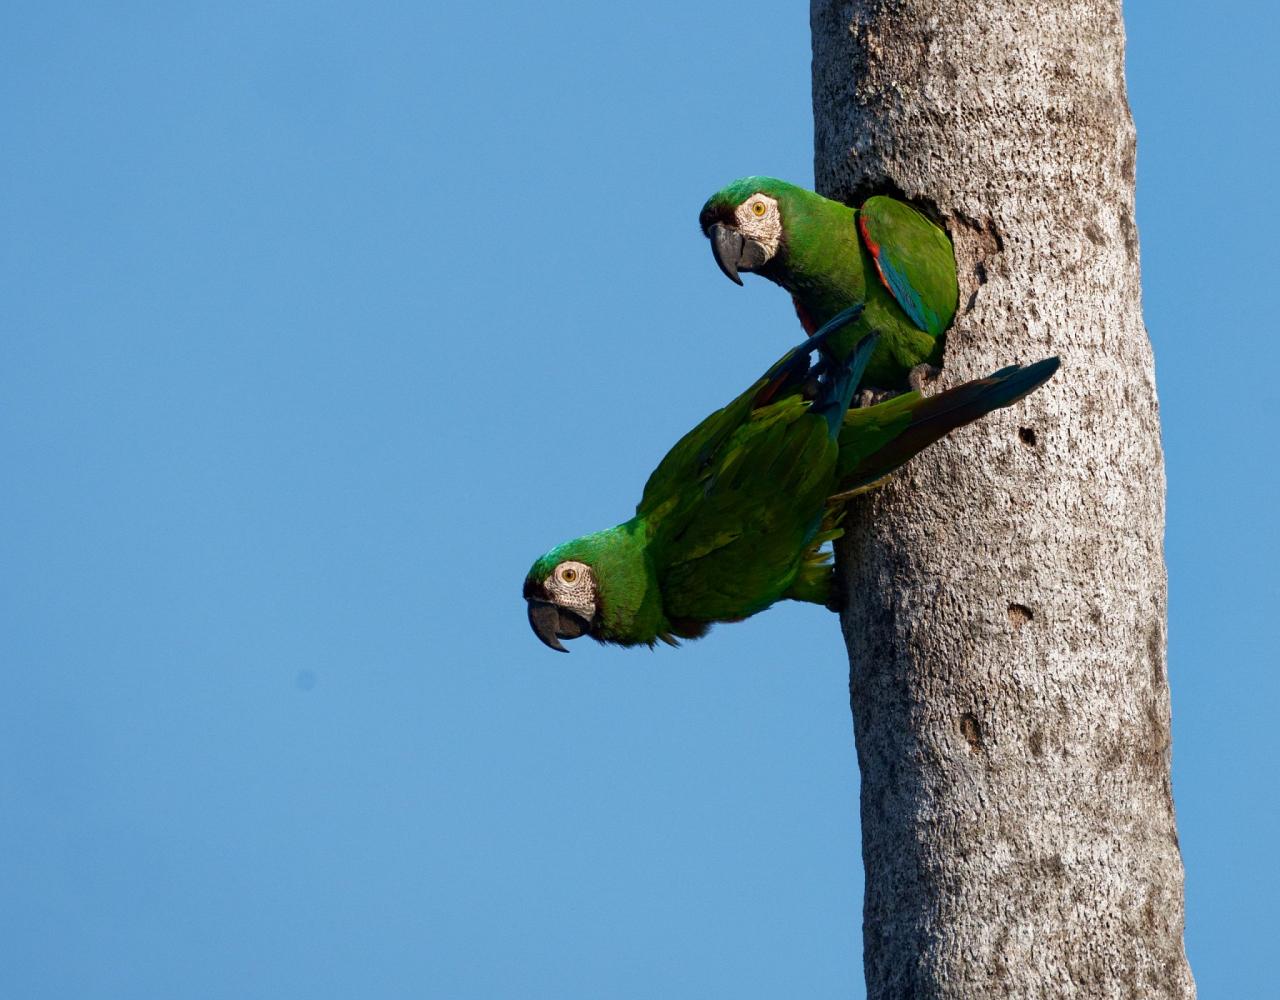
(1006, 609)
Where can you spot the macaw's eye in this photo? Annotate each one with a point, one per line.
(759, 208)
(568, 574)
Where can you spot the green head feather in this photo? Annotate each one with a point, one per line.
(734, 194)
(619, 598)
(815, 254)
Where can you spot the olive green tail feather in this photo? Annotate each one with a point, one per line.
(877, 440)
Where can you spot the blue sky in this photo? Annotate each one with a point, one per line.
(319, 323)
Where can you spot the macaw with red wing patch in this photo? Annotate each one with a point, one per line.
(884, 255)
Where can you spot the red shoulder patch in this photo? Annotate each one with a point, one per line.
(806, 321)
(874, 247)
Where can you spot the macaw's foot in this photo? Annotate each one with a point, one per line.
(871, 395)
(920, 374)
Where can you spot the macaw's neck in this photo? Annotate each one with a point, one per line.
(630, 602)
(821, 260)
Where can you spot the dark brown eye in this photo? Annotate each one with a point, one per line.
(568, 574)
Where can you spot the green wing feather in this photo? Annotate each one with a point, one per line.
(734, 509)
(914, 260)
(733, 540)
(690, 457)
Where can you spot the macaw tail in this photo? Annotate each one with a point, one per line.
(877, 440)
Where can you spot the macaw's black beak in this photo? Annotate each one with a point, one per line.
(734, 252)
(551, 624)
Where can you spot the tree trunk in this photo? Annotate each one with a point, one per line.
(1006, 594)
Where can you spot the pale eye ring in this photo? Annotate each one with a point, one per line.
(568, 574)
(759, 208)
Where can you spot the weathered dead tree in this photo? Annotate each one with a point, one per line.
(1006, 609)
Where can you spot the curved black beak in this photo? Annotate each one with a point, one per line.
(551, 624)
(726, 246)
(733, 251)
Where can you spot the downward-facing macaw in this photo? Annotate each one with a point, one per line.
(735, 516)
(884, 255)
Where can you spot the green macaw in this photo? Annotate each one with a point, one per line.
(735, 516)
(884, 255)
(730, 521)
